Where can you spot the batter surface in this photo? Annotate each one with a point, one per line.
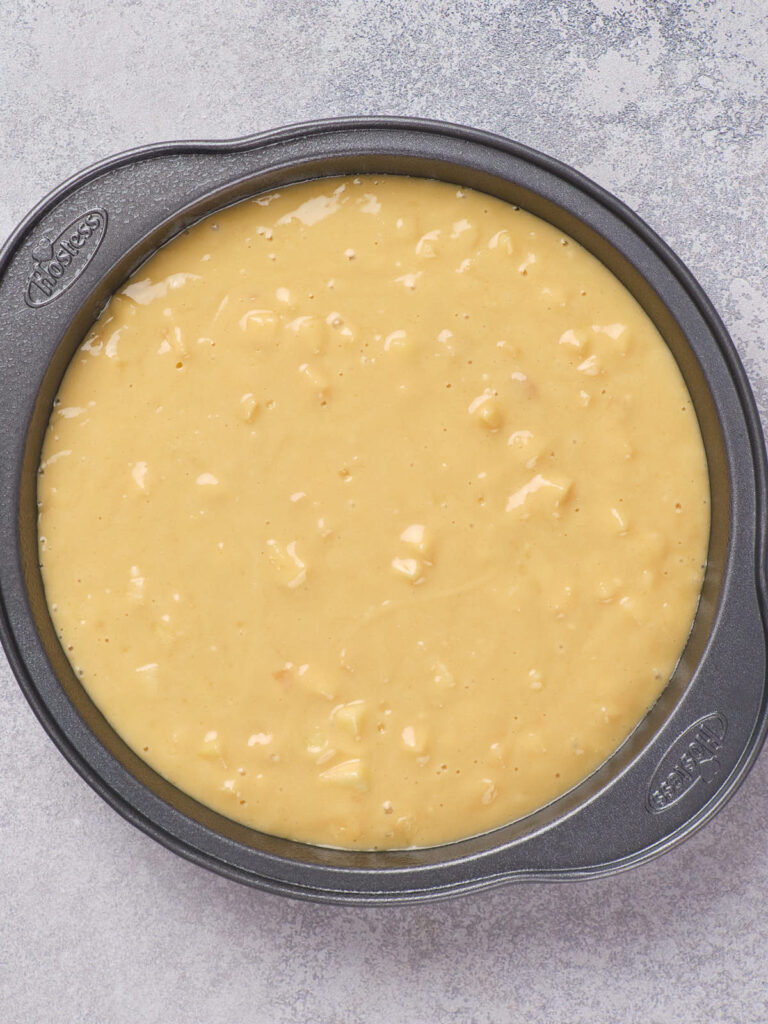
(373, 512)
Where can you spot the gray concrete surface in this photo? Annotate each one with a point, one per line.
(663, 103)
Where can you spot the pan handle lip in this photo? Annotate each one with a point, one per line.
(748, 406)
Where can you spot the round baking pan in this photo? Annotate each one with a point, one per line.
(692, 749)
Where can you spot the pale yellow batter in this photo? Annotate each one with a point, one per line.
(373, 512)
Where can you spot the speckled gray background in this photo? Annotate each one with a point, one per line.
(663, 103)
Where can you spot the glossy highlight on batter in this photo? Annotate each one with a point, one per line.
(373, 512)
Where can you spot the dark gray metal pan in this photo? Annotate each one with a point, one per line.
(695, 746)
